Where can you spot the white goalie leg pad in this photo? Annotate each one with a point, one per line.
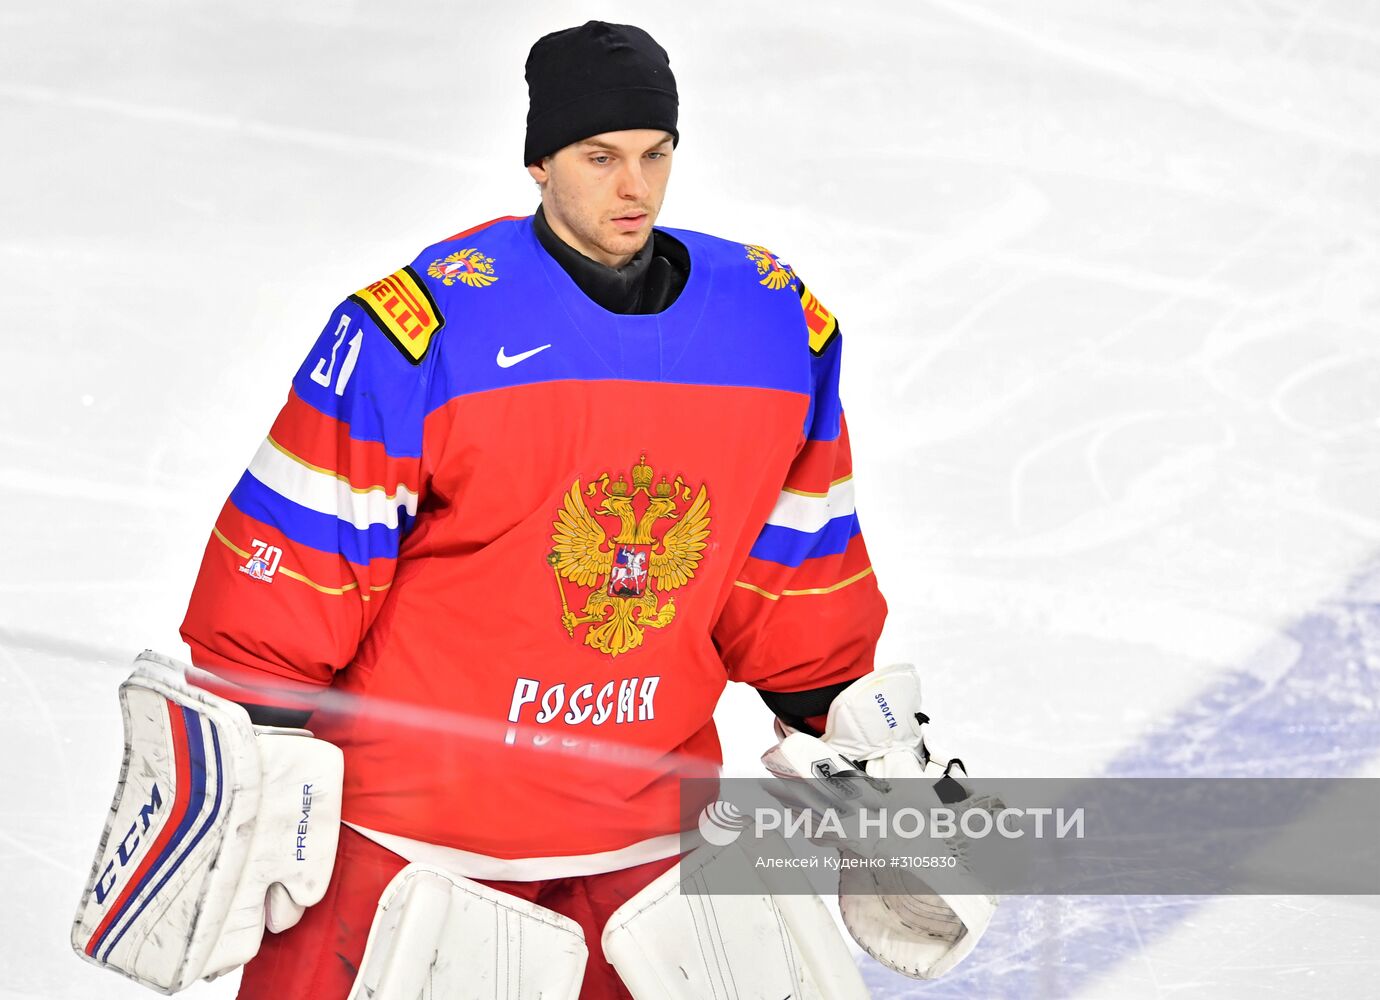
(215, 827)
(436, 936)
(670, 945)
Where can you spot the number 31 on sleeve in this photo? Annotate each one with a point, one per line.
(324, 371)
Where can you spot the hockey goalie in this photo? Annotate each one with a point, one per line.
(460, 628)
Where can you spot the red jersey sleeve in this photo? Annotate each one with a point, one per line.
(805, 611)
(303, 552)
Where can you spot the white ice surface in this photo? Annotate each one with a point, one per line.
(1108, 276)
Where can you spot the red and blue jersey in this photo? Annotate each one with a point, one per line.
(525, 541)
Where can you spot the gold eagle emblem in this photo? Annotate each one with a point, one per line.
(469, 266)
(630, 571)
(774, 273)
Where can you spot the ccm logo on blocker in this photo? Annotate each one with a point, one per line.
(128, 845)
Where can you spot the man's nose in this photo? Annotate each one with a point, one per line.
(631, 184)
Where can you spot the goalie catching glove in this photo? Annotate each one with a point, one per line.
(874, 731)
(218, 829)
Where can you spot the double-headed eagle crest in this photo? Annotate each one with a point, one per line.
(630, 571)
(774, 274)
(468, 265)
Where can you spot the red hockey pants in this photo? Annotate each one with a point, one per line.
(318, 959)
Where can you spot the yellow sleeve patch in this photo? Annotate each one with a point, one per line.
(403, 309)
(823, 326)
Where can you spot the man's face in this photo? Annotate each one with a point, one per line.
(602, 194)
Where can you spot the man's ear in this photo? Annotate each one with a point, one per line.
(538, 171)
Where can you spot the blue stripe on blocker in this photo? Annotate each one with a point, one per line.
(194, 722)
(324, 532)
(196, 783)
(790, 547)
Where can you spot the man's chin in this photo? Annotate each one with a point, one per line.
(621, 244)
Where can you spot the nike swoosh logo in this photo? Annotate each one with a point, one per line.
(508, 360)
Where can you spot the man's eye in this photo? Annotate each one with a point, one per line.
(601, 159)
(656, 154)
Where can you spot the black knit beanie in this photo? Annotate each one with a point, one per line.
(596, 78)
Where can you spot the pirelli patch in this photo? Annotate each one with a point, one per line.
(823, 326)
(403, 308)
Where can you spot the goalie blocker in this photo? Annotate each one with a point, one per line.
(218, 830)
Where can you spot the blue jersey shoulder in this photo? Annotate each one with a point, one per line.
(471, 258)
(750, 260)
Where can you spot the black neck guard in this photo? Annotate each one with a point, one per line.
(647, 284)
